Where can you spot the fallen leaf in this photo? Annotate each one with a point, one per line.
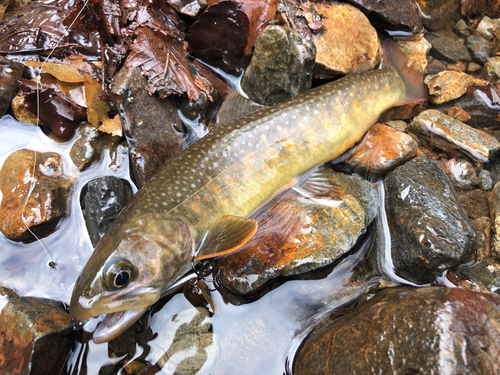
(163, 61)
(74, 92)
(220, 36)
(98, 109)
(62, 72)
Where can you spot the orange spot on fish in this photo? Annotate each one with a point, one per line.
(217, 189)
(236, 177)
(274, 153)
(247, 181)
(198, 197)
(228, 202)
(245, 167)
(371, 97)
(218, 178)
(229, 180)
(294, 131)
(242, 190)
(176, 210)
(265, 167)
(226, 190)
(207, 197)
(284, 157)
(364, 97)
(251, 156)
(196, 208)
(288, 146)
(335, 116)
(276, 139)
(357, 105)
(235, 166)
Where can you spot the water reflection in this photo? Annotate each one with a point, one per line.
(29, 268)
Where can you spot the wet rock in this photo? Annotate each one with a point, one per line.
(473, 67)
(435, 66)
(461, 29)
(437, 13)
(394, 14)
(450, 134)
(480, 7)
(188, 7)
(88, 145)
(475, 277)
(491, 70)
(33, 335)
(281, 66)
(347, 41)
(495, 240)
(416, 50)
(446, 46)
(21, 113)
(102, 200)
(485, 182)
(461, 173)
(483, 230)
(495, 44)
(477, 106)
(184, 342)
(398, 125)
(430, 231)
(381, 150)
(10, 71)
(475, 203)
(152, 126)
(487, 27)
(480, 47)
(457, 67)
(424, 330)
(459, 113)
(45, 205)
(298, 234)
(448, 85)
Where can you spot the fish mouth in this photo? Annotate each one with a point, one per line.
(115, 324)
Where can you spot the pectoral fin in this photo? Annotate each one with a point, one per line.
(229, 234)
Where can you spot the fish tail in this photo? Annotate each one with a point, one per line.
(413, 79)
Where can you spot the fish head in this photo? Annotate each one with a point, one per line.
(129, 269)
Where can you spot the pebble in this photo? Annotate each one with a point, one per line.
(480, 47)
(448, 85)
(10, 71)
(487, 27)
(190, 8)
(449, 133)
(485, 182)
(281, 66)
(417, 51)
(347, 41)
(495, 240)
(461, 173)
(436, 14)
(435, 66)
(398, 125)
(46, 204)
(446, 46)
(473, 67)
(459, 113)
(407, 330)
(317, 235)
(381, 150)
(491, 70)
(461, 29)
(152, 126)
(482, 116)
(430, 231)
(102, 200)
(21, 113)
(475, 203)
(34, 334)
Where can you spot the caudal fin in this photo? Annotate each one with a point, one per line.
(414, 80)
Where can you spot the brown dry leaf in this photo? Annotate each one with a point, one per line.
(74, 91)
(62, 72)
(97, 109)
(163, 60)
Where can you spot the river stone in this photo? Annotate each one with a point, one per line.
(448, 85)
(480, 47)
(46, 204)
(446, 46)
(430, 331)
(102, 200)
(10, 71)
(381, 150)
(491, 70)
(88, 145)
(461, 29)
(475, 203)
(449, 133)
(34, 335)
(482, 116)
(416, 50)
(495, 200)
(298, 235)
(462, 173)
(281, 66)
(430, 231)
(152, 126)
(348, 39)
(392, 14)
(437, 13)
(485, 182)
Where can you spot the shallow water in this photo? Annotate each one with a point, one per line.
(25, 267)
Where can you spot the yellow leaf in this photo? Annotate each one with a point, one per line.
(97, 109)
(62, 72)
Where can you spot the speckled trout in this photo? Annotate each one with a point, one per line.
(200, 203)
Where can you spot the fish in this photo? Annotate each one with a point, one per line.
(200, 204)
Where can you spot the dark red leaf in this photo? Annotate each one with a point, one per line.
(220, 35)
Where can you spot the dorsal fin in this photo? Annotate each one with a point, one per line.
(234, 107)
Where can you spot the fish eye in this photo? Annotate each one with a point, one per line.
(117, 273)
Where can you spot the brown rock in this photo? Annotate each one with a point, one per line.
(473, 67)
(347, 41)
(448, 85)
(408, 330)
(33, 335)
(416, 50)
(437, 13)
(457, 67)
(20, 112)
(10, 71)
(459, 114)
(491, 70)
(461, 173)
(45, 205)
(475, 203)
(381, 150)
(481, 7)
(451, 134)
